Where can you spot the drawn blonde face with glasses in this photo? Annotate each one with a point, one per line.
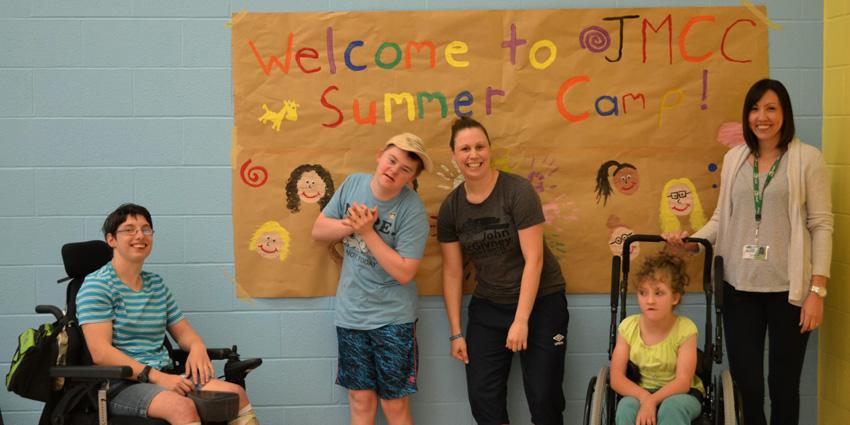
(681, 200)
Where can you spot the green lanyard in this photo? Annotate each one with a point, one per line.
(758, 196)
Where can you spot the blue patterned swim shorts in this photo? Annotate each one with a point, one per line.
(385, 360)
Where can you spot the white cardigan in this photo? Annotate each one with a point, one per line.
(809, 209)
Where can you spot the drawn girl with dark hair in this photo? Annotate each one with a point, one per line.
(626, 180)
(309, 183)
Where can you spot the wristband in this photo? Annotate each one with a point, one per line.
(456, 336)
(144, 375)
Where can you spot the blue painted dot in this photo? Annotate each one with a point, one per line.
(712, 167)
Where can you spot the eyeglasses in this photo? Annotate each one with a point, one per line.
(620, 239)
(131, 231)
(679, 194)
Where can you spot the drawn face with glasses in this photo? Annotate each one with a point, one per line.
(680, 199)
(618, 238)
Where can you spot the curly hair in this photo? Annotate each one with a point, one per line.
(603, 185)
(665, 267)
(293, 202)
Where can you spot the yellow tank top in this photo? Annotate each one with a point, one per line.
(657, 362)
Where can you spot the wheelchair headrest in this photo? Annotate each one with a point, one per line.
(82, 258)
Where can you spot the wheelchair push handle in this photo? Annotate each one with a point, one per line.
(49, 309)
(657, 238)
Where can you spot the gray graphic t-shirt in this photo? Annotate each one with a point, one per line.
(489, 237)
(367, 296)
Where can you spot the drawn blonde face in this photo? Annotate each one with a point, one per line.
(680, 199)
(311, 187)
(626, 180)
(618, 237)
(269, 245)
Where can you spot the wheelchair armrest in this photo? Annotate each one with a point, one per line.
(214, 353)
(241, 366)
(219, 353)
(91, 372)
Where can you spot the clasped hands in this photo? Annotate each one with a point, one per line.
(360, 217)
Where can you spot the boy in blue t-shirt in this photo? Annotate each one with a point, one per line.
(384, 227)
(125, 311)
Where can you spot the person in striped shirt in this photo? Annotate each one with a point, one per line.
(125, 311)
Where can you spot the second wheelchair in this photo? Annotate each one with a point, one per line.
(721, 402)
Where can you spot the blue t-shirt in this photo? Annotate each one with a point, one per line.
(139, 319)
(367, 296)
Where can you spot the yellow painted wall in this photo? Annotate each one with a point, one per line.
(834, 350)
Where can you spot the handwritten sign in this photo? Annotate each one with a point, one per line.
(612, 114)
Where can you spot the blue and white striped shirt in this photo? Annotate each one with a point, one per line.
(139, 319)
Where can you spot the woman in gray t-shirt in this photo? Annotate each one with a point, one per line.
(495, 220)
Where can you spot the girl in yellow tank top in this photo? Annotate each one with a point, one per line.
(664, 347)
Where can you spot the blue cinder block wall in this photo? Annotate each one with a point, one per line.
(130, 100)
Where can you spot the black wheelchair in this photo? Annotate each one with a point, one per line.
(721, 404)
(78, 393)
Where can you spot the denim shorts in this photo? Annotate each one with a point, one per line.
(131, 398)
(384, 359)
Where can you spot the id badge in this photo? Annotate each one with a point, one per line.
(755, 252)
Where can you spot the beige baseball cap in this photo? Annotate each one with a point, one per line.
(412, 143)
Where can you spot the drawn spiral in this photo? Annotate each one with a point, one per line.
(595, 39)
(253, 176)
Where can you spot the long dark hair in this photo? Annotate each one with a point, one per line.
(603, 186)
(293, 202)
(786, 133)
(463, 123)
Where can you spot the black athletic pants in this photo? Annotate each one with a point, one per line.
(747, 318)
(542, 362)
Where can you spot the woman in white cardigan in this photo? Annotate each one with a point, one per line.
(775, 235)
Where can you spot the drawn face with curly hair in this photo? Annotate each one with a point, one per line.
(311, 187)
(626, 180)
(681, 199)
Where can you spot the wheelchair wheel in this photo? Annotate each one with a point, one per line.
(588, 399)
(601, 401)
(729, 409)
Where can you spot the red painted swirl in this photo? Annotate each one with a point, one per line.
(253, 176)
